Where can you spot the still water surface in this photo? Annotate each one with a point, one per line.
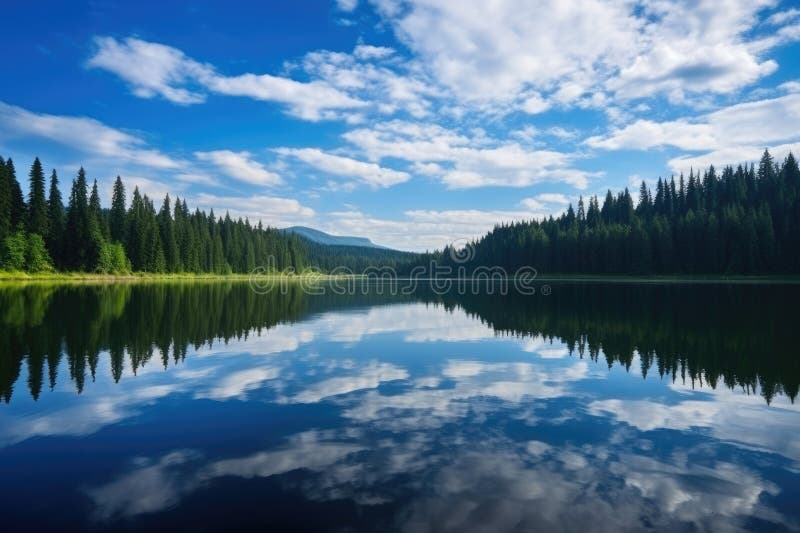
(207, 407)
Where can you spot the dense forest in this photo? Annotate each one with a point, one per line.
(42, 234)
(744, 220)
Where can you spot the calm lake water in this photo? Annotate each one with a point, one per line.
(206, 406)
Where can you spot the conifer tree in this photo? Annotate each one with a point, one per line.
(117, 215)
(18, 207)
(77, 237)
(55, 221)
(5, 201)
(37, 205)
(168, 238)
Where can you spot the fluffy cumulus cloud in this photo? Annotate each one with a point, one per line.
(729, 135)
(463, 161)
(625, 49)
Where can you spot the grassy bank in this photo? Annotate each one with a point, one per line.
(150, 277)
(145, 276)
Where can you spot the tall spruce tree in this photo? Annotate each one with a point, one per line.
(55, 222)
(5, 201)
(117, 215)
(169, 241)
(77, 236)
(37, 205)
(18, 207)
(135, 232)
(96, 216)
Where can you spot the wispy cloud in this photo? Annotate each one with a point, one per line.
(240, 166)
(154, 69)
(370, 173)
(84, 134)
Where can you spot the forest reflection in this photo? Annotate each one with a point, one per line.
(707, 335)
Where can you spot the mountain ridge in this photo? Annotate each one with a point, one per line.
(320, 237)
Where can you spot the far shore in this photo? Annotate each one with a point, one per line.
(68, 277)
(76, 277)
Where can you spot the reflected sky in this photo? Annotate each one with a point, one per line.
(407, 415)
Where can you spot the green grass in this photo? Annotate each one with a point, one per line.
(150, 277)
(144, 276)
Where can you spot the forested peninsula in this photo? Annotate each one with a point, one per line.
(740, 221)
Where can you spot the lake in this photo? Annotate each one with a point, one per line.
(583, 407)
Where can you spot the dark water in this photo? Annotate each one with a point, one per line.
(209, 407)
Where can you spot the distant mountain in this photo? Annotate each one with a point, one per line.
(320, 237)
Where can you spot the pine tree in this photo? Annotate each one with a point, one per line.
(55, 221)
(37, 205)
(18, 207)
(168, 238)
(96, 212)
(77, 237)
(5, 201)
(117, 215)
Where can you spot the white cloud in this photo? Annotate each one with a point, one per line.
(271, 211)
(84, 134)
(546, 202)
(562, 133)
(495, 52)
(240, 166)
(526, 134)
(347, 5)
(198, 178)
(535, 104)
(155, 190)
(694, 47)
(370, 173)
(366, 51)
(154, 69)
(630, 49)
(790, 86)
(309, 101)
(389, 83)
(730, 135)
(420, 230)
(476, 161)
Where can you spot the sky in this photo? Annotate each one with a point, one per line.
(416, 123)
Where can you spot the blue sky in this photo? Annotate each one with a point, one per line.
(412, 122)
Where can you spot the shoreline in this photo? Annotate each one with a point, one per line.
(66, 277)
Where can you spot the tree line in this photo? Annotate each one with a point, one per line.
(43, 234)
(743, 220)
